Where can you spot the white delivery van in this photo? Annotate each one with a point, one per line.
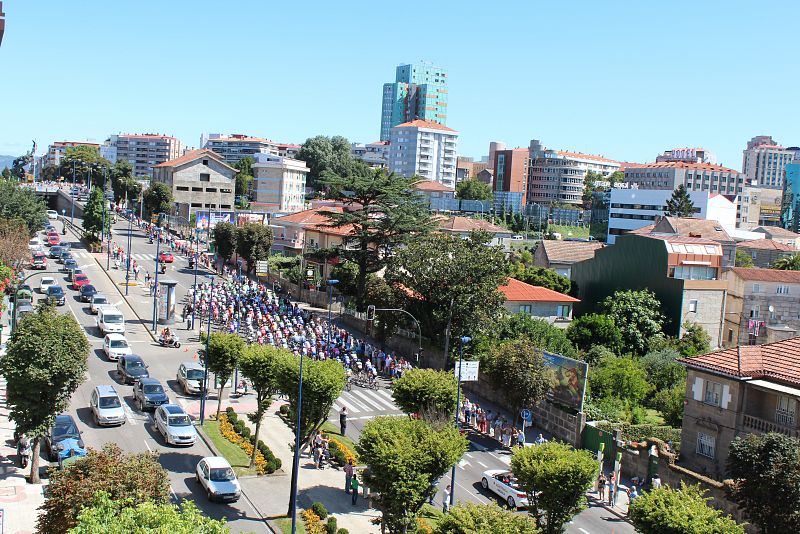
(110, 320)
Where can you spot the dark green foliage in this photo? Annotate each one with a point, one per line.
(663, 369)
(320, 510)
(22, 203)
(695, 340)
(253, 242)
(638, 316)
(743, 259)
(517, 370)
(683, 510)
(473, 190)
(326, 154)
(680, 205)
(225, 236)
(594, 329)
(273, 463)
(158, 199)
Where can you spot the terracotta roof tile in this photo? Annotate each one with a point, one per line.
(765, 244)
(688, 227)
(518, 291)
(767, 275)
(777, 231)
(465, 224)
(684, 165)
(579, 155)
(419, 123)
(430, 185)
(778, 361)
(193, 155)
(569, 251)
(309, 217)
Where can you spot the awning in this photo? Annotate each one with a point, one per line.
(775, 387)
(692, 262)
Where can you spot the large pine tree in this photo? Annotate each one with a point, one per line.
(680, 205)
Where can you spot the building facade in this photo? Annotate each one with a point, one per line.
(144, 151)
(687, 155)
(790, 198)
(759, 206)
(511, 172)
(764, 162)
(58, 150)
(279, 184)
(424, 148)
(764, 251)
(234, 147)
(694, 176)
(556, 176)
(199, 180)
(419, 91)
(539, 302)
(376, 154)
(781, 235)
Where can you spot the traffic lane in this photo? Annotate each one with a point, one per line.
(597, 520)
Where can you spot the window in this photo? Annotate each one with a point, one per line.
(693, 306)
(706, 445)
(754, 312)
(782, 290)
(730, 335)
(204, 177)
(525, 308)
(784, 413)
(713, 394)
(211, 189)
(756, 288)
(205, 162)
(198, 189)
(563, 310)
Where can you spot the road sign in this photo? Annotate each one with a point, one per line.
(527, 416)
(468, 371)
(262, 267)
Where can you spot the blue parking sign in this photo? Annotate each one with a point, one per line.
(527, 416)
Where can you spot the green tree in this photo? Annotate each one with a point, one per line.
(87, 164)
(541, 276)
(22, 203)
(6, 174)
(683, 510)
(589, 186)
(382, 295)
(616, 177)
(13, 242)
(555, 478)
(432, 394)
(261, 365)
(50, 173)
(326, 154)
(638, 316)
(670, 403)
(743, 259)
(137, 476)
(620, 377)
(766, 474)
(253, 242)
(158, 198)
(225, 239)
(124, 516)
(346, 272)
(381, 214)
(469, 518)
(517, 369)
(452, 281)
(473, 190)
(695, 340)
(539, 332)
(95, 214)
(663, 369)
(404, 459)
(123, 183)
(224, 351)
(594, 329)
(244, 178)
(680, 205)
(787, 263)
(45, 364)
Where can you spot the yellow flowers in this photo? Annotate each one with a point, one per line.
(344, 449)
(228, 432)
(312, 522)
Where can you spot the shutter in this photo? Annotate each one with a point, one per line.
(726, 397)
(697, 389)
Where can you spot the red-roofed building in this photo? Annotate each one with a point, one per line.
(199, 180)
(668, 175)
(426, 149)
(764, 251)
(737, 391)
(464, 226)
(435, 194)
(289, 231)
(537, 301)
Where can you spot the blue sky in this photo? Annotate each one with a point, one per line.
(622, 79)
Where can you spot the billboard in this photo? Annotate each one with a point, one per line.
(245, 218)
(205, 222)
(567, 380)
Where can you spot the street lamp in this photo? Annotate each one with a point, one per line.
(155, 283)
(464, 340)
(204, 391)
(330, 283)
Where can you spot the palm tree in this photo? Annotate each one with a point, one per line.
(788, 263)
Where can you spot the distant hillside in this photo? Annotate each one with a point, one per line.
(6, 161)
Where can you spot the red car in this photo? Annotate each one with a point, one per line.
(166, 257)
(53, 240)
(80, 281)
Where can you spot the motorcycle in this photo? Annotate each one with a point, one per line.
(116, 264)
(150, 241)
(163, 268)
(174, 341)
(191, 263)
(24, 452)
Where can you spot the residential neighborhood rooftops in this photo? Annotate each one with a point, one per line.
(685, 165)
(193, 155)
(465, 224)
(765, 244)
(518, 291)
(568, 252)
(778, 361)
(311, 217)
(777, 231)
(767, 275)
(686, 226)
(432, 186)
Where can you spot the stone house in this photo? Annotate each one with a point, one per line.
(764, 251)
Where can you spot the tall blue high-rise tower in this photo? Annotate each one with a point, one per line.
(418, 92)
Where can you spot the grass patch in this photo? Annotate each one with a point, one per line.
(580, 232)
(653, 417)
(330, 428)
(285, 524)
(235, 456)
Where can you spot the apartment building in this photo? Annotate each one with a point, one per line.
(511, 172)
(695, 176)
(556, 176)
(199, 180)
(289, 150)
(279, 184)
(376, 154)
(687, 155)
(419, 92)
(143, 151)
(234, 147)
(734, 392)
(764, 161)
(759, 206)
(781, 235)
(424, 148)
(58, 150)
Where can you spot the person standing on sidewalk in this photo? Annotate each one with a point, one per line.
(601, 487)
(446, 498)
(343, 420)
(348, 475)
(354, 488)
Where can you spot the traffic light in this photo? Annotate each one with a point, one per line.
(370, 313)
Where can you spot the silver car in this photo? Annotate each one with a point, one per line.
(173, 423)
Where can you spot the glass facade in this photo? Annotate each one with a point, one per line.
(790, 202)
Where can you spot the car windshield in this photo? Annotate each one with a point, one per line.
(109, 402)
(153, 389)
(99, 300)
(48, 281)
(222, 474)
(88, 289)
(55, 290)
(113, 319)
(118, 344)
(65, 430)
(134, 365)
(194, 374)
(179, 420)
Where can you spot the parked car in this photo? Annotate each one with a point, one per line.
(149, 393)
(166, 257)
(23, 310)
(69, 264)
(39, 261)
(115, 345)
(46, 282)
(79, 280)
(173, 423)
(503, 484)
(106, 406)
(215, 475)
(63, 428)
(56, 294)
(131, 368)
(52, 214)
(97, 300)
(190, 377)
(86, 292)
(110, 320)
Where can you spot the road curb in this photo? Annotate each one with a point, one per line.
(602, 504)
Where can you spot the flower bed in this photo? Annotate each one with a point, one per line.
(312, 522)
(235, 431)
(341, 452)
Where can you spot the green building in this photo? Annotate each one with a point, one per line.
(418, 92)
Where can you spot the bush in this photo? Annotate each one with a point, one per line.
(319, 509)
(342, 531)
(235, 431)
(331, 526)
(284, 409)
(643, 432)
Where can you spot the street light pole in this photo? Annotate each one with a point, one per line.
(464, 340)
(155, 283)
(73, 194)
(330, 283)
(128, 264)
(204, 391)
(196, 261)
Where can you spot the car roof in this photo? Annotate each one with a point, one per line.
(99, 295)
(216, 461)
(50, 278)
(106, 390)
(173, 409)
(64, 418)
(192, 365)
(115, 336)
(132, 357)
(149, 381)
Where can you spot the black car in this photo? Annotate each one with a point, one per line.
(55, 251)
(69, 264)
(149, 393)
(64, 428)
(66, 254)
(56, 293)
(131, 368)
(87, 292)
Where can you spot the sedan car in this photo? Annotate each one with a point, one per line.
(79, 280)
(503, 484)
(87, 292)
(45, 283)
(149, 393)
(72, 272)
(66, 254)
(172, 422)
(53, 240)
(97, 300)
(215, 475)
(131, 368)
(52, 214)
(56, 294)
(115, 345)
(190, 377)
(64, 428)
(166, 257)
(55, 252)
(39, 261)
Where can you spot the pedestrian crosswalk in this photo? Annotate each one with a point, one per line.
(138, 257)
(367, 401)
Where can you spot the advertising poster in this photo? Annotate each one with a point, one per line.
(204, 221)
(567, 380)
(246, 218)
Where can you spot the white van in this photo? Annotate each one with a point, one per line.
(110, 320)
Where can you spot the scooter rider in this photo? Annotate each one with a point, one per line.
(166, 335)
(24, 450)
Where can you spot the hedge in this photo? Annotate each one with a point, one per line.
(273, 463)
(641, 433)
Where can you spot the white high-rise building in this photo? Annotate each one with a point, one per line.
(279, 184)
(143, 151)
(424, 148)
(764, 162)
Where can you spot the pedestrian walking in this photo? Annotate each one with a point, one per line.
(354, 488)
(520, 438)
(655, 483)
(612, 483)
(343, 419)
(348, 475)
(446, 500)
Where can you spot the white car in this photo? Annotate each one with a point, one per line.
(174, 424)
(52, 214)
(98, 299)
(35, 245)
(115, 345)
(46, 282)
(215, 475)
(504, 485)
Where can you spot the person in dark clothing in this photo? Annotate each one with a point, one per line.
(343, 420)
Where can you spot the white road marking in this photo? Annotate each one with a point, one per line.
(128, 414)
(583, 530)
(505, 459)
(172, 491)
(463, 463)
(482, 464)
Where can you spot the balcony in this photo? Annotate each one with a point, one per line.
(762, 426)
